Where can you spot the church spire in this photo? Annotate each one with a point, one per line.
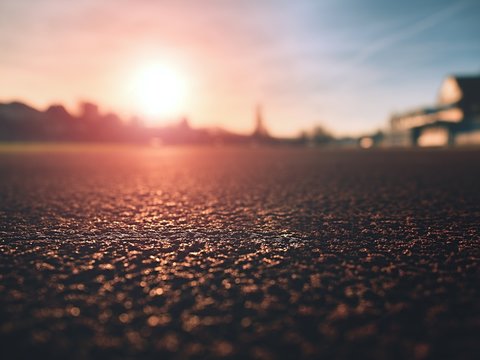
(260, 129)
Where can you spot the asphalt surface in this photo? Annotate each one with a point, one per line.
(239, 253)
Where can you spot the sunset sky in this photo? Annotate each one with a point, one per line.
(346, 64)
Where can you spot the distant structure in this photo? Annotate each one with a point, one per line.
(89, 111)
(454, 120)
(260, 131)
(21, 122)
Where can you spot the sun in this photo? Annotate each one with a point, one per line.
(160, 91)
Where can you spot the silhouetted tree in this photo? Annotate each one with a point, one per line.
(320, 136)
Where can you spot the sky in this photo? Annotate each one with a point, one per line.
(344, 64)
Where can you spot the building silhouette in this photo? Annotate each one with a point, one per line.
(454, 120)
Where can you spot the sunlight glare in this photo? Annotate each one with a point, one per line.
(160, 90)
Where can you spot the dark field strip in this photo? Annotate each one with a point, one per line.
(239, 253)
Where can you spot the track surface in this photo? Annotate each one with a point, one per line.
(240, 253)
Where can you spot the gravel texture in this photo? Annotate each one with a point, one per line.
(239, 253)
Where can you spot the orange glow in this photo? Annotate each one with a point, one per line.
(366, 142)
(433, 137)
(160, 90)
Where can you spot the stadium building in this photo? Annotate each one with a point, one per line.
(455, 120)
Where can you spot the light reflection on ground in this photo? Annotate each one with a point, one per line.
(244, 253)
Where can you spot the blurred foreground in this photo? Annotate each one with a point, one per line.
(239, 253)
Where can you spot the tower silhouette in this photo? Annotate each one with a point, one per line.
(260, 129)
